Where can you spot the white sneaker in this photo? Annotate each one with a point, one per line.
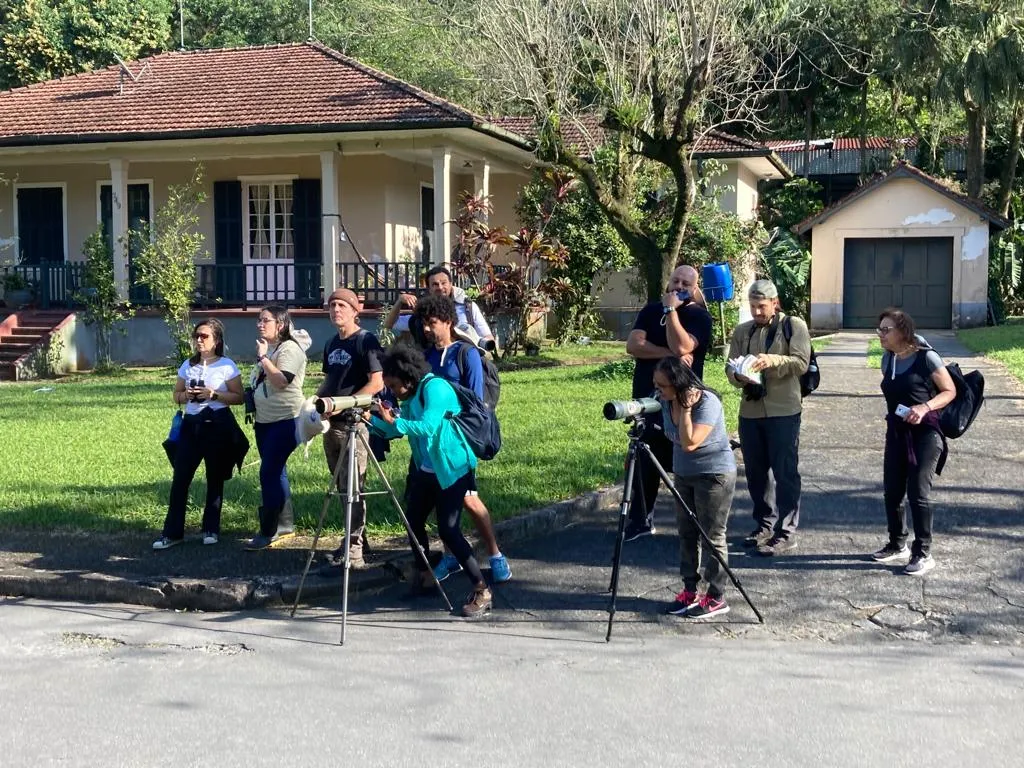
(210, 538)
(165, 543)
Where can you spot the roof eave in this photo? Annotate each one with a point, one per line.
(37, 140)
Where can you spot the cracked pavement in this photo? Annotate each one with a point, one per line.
(828, 589)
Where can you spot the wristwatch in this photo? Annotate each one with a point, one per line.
(666, 310)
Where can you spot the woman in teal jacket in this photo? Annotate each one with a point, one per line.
(442, 463)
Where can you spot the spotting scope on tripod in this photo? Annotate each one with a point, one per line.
(634, 413)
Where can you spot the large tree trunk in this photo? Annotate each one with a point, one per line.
(975, 151)
(1009, 174)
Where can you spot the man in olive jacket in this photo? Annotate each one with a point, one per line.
(770, 415)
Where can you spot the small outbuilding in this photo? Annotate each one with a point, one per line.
(904, 240)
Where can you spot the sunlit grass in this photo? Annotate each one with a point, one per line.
(87, 455)
(1004, 343)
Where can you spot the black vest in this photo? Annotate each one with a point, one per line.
(912, 387)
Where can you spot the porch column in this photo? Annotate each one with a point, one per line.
(442, 249)
(119, 224)
(330, 222)
(482, 180)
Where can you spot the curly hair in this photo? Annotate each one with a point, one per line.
(902, 322)
(405, 363)
(433, 307)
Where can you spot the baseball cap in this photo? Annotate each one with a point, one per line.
(763, 289)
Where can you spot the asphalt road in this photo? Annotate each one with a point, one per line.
(124, 686)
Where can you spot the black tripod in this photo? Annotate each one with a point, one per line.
(636, 446)
(353, 494)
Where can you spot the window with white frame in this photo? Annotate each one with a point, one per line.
(269, 233)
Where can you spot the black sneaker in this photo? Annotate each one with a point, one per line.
(684, 601)
(891, 551)
(777, 545)
(757, 537)
(258, 542)
(707, 606)
(919, 565)
(635, 531)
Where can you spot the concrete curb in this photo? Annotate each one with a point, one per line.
(235, 594)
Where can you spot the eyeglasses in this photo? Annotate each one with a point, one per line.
(264, 320)
(203, 336)
(882, 330)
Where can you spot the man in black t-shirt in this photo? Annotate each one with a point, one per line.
(679, 325)
(352, 366)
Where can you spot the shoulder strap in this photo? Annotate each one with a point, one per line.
(462, 361)
(471, 312)
(787, 328)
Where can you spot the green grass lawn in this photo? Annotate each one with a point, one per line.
(87, 455)
(1004, 343)
(874, 354)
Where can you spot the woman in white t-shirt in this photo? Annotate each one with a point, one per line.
(207, 384)
(277, 393)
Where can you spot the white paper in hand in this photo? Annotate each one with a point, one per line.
(742, 367)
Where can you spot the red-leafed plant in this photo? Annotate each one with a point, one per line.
(516, 287)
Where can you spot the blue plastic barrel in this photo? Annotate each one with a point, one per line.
(716, 282)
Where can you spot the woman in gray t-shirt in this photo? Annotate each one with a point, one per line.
(705, 471)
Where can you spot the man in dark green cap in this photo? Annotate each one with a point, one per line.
(770, 415)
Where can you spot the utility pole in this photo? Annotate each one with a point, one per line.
(181, 24)
(310, 21)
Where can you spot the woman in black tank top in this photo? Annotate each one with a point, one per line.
(916, 386)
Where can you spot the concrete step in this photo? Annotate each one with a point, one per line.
(31, 330)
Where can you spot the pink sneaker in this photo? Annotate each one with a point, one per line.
(707, 606)
(684, 601)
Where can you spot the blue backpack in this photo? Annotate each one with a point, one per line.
(478, 423)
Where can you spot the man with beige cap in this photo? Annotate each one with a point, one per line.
(770, 415)
(352, 366)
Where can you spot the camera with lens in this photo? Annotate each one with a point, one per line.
(196, 384)
(618, 410)
(753, 392)
(249, 398)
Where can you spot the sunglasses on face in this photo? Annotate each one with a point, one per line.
(265, 321)
(884, 329)
(202, 336)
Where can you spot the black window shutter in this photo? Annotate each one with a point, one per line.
(306, 227)
(227, 240)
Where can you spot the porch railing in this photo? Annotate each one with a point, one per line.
(238, 285)
(381, 282)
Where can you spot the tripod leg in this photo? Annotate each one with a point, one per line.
(424, 560)
(351, 495)
(700, 529)
(627, 494)
(319, 530)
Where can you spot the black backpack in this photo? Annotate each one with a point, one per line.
(970, 395)
(809, 379)
(478, 423)
(492, 385)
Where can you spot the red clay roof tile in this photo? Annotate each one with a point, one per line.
(230, 91)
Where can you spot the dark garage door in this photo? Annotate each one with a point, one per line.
(913, 273)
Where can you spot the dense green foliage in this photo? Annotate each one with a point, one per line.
(101, 307)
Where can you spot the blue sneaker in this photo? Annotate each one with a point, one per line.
(446, 567)
(501, 571)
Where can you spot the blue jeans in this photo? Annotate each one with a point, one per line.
(275, 442)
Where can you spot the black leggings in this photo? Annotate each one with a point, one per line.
(904, 480)
(424, 494)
